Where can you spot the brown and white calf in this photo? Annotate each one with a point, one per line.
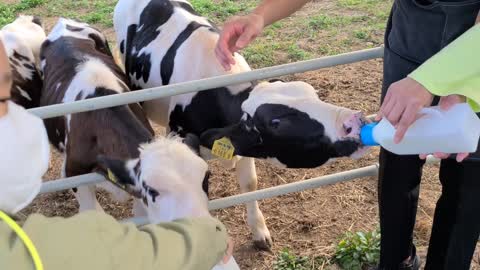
(22, 40)
(77, 64)
(168, 177)
(166, 42)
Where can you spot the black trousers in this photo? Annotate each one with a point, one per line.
(414, 34)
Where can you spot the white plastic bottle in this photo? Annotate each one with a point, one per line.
(454, 131)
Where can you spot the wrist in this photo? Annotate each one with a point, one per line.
(260, 15)
(3, 109)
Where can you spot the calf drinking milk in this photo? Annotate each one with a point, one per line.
(166, 42)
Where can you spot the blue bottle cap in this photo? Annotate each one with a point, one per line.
(366, 135)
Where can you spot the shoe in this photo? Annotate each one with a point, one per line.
(412, 264)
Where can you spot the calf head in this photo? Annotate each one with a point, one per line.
(167, 176)
(287, 124)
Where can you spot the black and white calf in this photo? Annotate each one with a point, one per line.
(22, 40)
(167, 176)
(77, 64)
(166, 42)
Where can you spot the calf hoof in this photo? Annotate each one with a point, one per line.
(264, 244)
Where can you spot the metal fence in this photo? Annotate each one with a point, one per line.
(205, 84)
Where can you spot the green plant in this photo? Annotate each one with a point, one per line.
(295, 53)
(288, 261)
(358, 250)
(361, 34)
(9, 11)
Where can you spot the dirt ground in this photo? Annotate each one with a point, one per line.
(310, 222)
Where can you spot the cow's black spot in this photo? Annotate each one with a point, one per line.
(20, 57)
(29, 66)
(14, 62)
(281, 132)
(122, 47)
(74, 28)
(168, 60)
(31, 84)
(205, 182)
(155, 14)
(118, 168)
(214, 108)
(100, 44)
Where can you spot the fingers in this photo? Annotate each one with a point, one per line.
(395, 114)
(222, 50)
(222, 57)
(226, 42)
(385, 102)
(446, 103)
(229, 251)
(441, 155)
(407, 118)
(462, 156)
(246, 37)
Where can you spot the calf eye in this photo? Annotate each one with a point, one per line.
(275, 123)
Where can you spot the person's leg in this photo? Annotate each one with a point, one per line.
(398, 190)
(399, 180)
(456, 225)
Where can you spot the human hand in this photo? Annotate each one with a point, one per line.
(445, 104)
(236, 34)
(401, 105)
(229, 251)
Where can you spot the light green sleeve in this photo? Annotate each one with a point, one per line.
(94, 240)
(455, 69)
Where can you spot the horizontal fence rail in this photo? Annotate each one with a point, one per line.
(281, 190)
(205, 84)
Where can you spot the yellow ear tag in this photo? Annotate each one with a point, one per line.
(223, 148)
(113, 179)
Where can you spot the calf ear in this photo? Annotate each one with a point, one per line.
(193, 142)
(116, 171)
(37, 20)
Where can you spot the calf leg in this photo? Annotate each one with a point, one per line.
(247, 177)
(85, 195)
(138, 208)
(87, 199)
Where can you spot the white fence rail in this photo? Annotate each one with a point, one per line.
(205, 84)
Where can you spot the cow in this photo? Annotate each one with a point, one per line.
(168, 178)
(165, 42)
(22, 40)
(77, 64)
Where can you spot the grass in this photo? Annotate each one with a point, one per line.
(287, 260)
(355, 251)
(8, 12)
(219, 11)
(317, 32)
